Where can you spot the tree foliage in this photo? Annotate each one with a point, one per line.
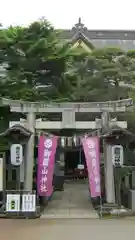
(98, 76)
(35, 59)
(42, 67)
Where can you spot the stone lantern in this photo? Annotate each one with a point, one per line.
(16, 137)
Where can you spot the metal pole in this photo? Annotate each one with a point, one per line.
(101, 209)
(80, 156)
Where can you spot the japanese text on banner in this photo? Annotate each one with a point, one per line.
(46, 157)
(93, 154)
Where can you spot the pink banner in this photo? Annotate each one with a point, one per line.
(46, 159)
(92, 155)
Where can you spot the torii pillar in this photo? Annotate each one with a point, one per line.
(30, 152)
(108, 165)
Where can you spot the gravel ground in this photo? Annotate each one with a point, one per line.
(67, 229)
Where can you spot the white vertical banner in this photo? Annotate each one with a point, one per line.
(1, 174)
(13, 203)
(29, 203)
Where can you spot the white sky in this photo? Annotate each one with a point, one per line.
(95, 14)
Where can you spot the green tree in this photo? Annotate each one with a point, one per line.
(98, 76)
(36, 60)
(41, 67)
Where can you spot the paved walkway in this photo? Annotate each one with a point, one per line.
(71, 229)
(73, 202)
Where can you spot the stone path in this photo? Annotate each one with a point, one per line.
(73, 202)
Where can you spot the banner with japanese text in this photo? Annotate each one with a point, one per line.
(46, 160)
(92, 155)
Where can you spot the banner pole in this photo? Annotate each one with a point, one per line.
(101, 209)
(101, 206)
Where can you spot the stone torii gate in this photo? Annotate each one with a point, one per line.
(68, 111)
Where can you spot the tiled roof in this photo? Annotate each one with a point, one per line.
(115, 130)
(82, 37)
(124, 39)
(17, 128)
(99, 34)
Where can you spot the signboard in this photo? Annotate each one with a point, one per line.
(46, 157)
(28, 203)
(13, 203)
(92, 155)
(117, 155)
(16, 154)
(23, 203)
